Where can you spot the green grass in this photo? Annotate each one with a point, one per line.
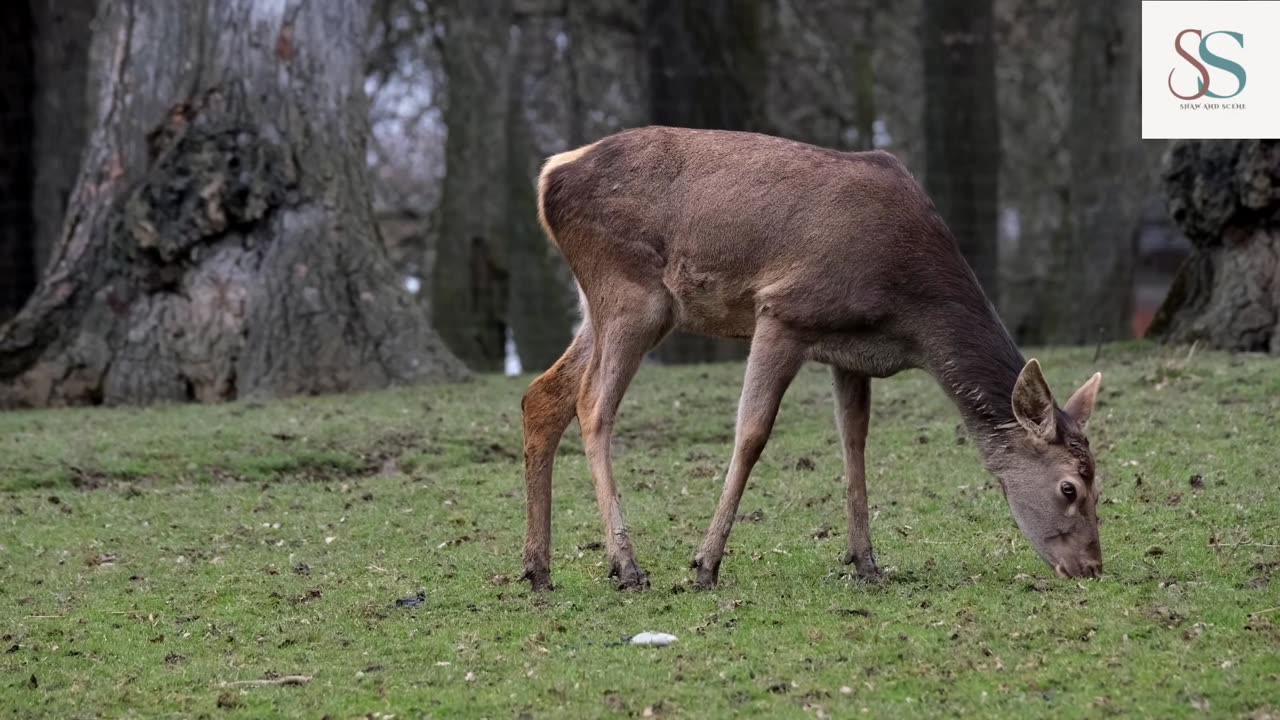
(147, 556)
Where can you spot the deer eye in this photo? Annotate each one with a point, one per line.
(1068, 490)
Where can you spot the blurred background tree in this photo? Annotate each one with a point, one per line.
(1019, 116)
(219, 240)
(962, 130)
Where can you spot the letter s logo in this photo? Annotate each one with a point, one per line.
(1220, 62)
(1202, 84)
(1211, 58)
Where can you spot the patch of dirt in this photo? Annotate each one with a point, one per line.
(853, 612)
(411, 601)
(489, 452)
(614, 702)
(101, 560)
(308, 596)
(1166, 617)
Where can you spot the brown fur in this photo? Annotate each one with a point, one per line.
(814, 254)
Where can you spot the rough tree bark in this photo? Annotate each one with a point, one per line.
(821, 75)
(17, 86)
(608, 65)
(220, 242)
(1225, 196)
(62, 36)
(962, 133)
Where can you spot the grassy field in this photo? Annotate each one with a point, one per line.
(152, 558)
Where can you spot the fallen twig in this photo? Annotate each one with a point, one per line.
(267, 682)
(1243, 543)
(1260, 612)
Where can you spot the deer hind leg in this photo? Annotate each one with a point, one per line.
(627, 324)
(853, 415)
(548, 407)
(775, 359)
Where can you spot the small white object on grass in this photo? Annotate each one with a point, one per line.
(653, 638)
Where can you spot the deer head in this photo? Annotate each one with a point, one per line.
(1046, 469)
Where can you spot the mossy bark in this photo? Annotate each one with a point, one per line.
(220, 242)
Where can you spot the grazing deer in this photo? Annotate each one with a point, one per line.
(813, 254)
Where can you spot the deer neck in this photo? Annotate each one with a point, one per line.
(976, 362)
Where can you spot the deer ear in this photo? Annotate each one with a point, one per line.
(1080, 406)
(1033, 403)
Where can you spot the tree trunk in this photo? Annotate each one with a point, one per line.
(821, 79)
(962, 134)
(1074, 171)
(17, 85)
(1225, 196)
(609, 69)
(1034, 58)
(508, 109)
(708, 67)
(472, 273)
(543, 305)
(1090, 288)
(220, 241)
(62, 37)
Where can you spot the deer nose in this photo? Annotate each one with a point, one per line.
(1086, 569)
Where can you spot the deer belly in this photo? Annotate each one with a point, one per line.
(871, 354)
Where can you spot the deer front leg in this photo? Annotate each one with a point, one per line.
(853, 415)
(773, 363)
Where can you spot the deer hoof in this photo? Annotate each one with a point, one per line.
(708, 574)
(629, 576)
(539, 580)
(864, 563)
